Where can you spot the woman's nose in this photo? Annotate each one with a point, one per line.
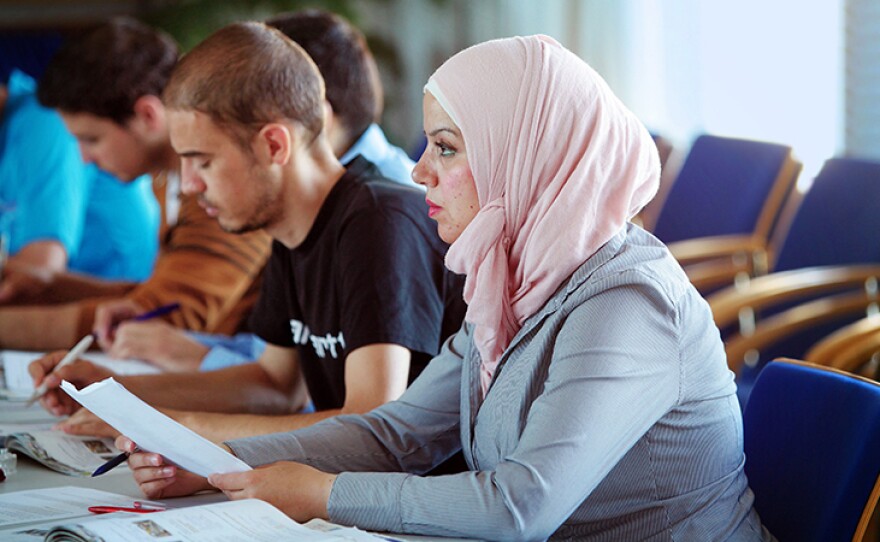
(420, 173)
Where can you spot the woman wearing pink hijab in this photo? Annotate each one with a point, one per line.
(588, 388)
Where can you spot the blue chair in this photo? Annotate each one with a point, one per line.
(826, 271)
(726, 187)
(838, 221)
(812, 445)
(723, 207)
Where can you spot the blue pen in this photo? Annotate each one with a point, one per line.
(155, 313)
(158, 311)
(110, 465)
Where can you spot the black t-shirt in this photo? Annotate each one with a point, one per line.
(369, 271)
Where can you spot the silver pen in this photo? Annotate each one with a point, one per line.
(74, 353)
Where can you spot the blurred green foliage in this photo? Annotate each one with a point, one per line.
(191, 21)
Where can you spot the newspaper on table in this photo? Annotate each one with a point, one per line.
(63, 515)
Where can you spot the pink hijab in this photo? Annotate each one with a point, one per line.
(560, 165)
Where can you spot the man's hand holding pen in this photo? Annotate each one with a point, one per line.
(111, 314)
(48, 371)
(80, 373)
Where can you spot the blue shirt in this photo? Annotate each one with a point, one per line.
(121, 232)
(109, 229)
(41, 172)
(393, 163)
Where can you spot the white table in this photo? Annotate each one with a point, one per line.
(32, 475)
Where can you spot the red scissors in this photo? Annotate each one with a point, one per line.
(138, 508)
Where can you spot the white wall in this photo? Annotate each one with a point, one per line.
(770, 70)
(863, 78)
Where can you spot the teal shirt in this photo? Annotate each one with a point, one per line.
(121, 232)
(109, 229)
(41, 173)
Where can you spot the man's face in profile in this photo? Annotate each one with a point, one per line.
(232, 184)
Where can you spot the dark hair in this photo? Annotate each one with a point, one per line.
(246, 75)
(105, 71)
(344, 60)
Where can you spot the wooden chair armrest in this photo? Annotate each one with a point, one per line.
(714, 274)
(777, 288)
(721, 246)
(792, 321)
(850, 347)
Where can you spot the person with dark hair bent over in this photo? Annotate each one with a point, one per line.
(58, 214)
(106, 86)
(354, 105)
(354, 90)
(355, 299)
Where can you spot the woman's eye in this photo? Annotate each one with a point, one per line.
(204, 165)
(445, 150)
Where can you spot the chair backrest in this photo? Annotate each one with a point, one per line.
(838, 220)
(727, 186)
(836, 223)
(812, 445)
(670, 163)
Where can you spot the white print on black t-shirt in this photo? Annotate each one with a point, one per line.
(322, 345)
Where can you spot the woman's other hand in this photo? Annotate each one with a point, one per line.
(300, 491)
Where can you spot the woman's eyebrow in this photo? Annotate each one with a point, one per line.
(432, 133)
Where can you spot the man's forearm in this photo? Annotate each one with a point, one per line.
(220, 427)
(244, 388)
(68, 287)
(39, 328)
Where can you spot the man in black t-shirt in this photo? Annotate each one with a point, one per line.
(370, 271)
(356, 298)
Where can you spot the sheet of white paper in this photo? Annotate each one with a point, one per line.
(21, 507)
(9, 428)
(18, 380)
(152, 430)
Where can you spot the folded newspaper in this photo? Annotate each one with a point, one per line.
(67, 454)
(66, 517)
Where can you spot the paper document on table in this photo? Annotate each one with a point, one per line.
(19, 383)
(152, 430)
(22, 507)
(247, 519)
(72, 455)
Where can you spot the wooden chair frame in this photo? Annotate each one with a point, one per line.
(737, 306)
(851, 348)
(718, 260)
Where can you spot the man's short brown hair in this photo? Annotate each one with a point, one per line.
(246, 75)
(105, 71)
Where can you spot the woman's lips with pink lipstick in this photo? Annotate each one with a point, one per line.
(433, 208)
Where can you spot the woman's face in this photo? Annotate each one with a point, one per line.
(444, 171)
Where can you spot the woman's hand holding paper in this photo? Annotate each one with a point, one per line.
(155, 477)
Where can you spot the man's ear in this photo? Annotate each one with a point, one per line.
(329, 116)
(277, 140)
(149, 113)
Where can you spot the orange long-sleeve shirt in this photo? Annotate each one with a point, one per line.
(213, 274)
